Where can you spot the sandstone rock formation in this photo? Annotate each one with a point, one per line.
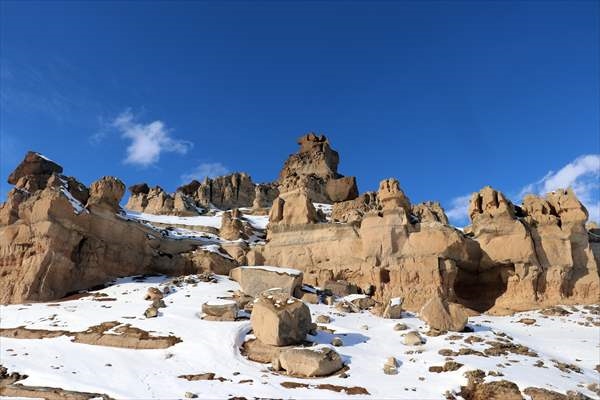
(444, 316)
(220, 310)
(52, 244)
(515, 258)
(314, 168)
(279, 319)
(293, 208)
(255, 280)
(58, 236)
(309, 362)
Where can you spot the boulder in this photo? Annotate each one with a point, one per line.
(310, 362)
(279, 320)
(106, 193)
(444, 316)
(390, 367)
(153, 293)
(34, 164)
(293, 208)
(220, 310)
(340, 288)
(393, 308)
(257, 279)
(341, 189)
(412, 338)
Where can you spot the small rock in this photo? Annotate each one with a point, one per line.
(400, 327)
(527, 321)
(158, 303)
(337, 342)
(151, 312)
(190, 395)
(153, 293)
(412, 338)
(365, 327)
(323, 319)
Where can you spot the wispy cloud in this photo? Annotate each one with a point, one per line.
(457, 210)
(204, 170)
(148, 141)
(581, 174)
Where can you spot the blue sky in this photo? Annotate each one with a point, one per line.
(445, 96)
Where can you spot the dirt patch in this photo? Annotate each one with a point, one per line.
(498, 348)
(207, 376)
(326, 386)
(447, 367)
(476, 389)
(126, 336)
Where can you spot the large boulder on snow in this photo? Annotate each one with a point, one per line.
(255, 280)
(279, 319)
(310, 362)
(443, 315)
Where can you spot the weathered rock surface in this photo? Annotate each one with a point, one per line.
(255, 280)
(444, 316)
(220, 310)
(52, 244)
(279, 319)
(309, 362)
(314, 169)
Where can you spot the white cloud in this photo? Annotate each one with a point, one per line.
(148, 141)
(204, 170)
(457, 212)
(582, 175)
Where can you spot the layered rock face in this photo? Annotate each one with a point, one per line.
(314, 169)
(515, 258)
(540, 252)
(57, 236)
(225, 192)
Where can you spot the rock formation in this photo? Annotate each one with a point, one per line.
(52, 244)
(59, 236)
(279, 319)
(314, 168)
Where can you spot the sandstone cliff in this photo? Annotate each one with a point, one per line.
(57, 236)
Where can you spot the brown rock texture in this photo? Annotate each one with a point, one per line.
(314, 168)
(51, 244)
(279, 319)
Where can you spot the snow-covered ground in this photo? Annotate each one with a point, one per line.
(213, 347)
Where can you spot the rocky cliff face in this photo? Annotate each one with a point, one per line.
(314, 168)
(515, 258)
(57, 236)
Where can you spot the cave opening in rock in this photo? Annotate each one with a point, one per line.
(479, 290)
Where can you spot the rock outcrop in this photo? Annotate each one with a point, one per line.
(310, 362)
(279, 319)
(255, 280)
(314, 168)
(52, 244)
(444, 316)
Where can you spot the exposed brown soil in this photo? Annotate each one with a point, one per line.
(126, 336)
(207, 376)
